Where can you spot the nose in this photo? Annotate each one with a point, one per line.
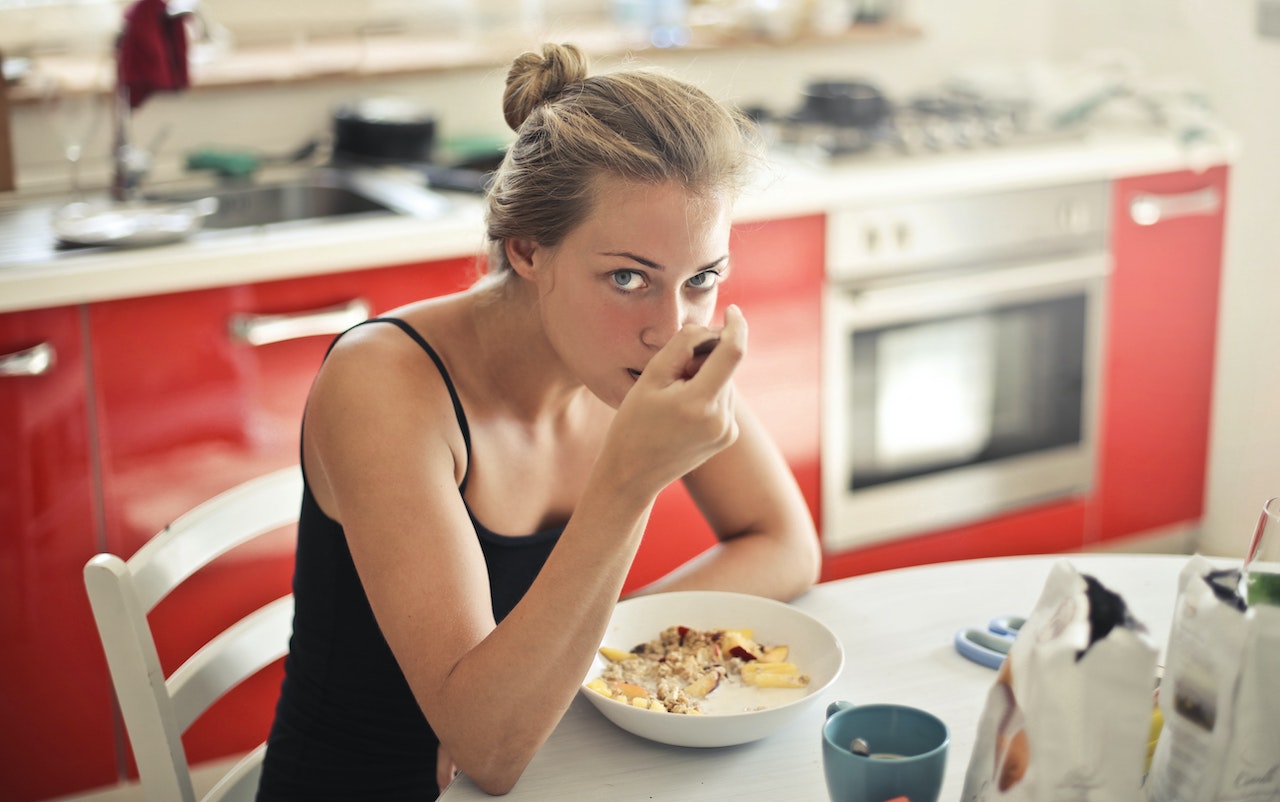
(668, 315)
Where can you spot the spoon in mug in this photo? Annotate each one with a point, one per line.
(860, 747)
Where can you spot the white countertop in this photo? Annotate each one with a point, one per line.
(791, 186)
(897, 629)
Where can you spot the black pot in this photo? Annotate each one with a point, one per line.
(383, 130)
(844, 103)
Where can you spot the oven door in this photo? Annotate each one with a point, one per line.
(957, 398)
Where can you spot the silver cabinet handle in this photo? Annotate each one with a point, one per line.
(263, 329)
(34, 361)
(1147, 209)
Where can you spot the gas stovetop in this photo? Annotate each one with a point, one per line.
(935, 123)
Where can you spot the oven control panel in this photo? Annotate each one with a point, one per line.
(895, 240)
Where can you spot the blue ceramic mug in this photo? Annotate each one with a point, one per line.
(908, 753)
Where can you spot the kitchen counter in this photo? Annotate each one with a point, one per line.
(798, 184)
(792, 184)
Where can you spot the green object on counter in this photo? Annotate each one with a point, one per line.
(1262, 588)
(473, 148)
(228, 163)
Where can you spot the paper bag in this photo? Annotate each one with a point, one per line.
(1220, 696)
(1069, 715)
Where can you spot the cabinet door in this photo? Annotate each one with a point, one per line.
(57, 735)
(1161, 332)
(776, 280)
(1046, 529)
(199, 391)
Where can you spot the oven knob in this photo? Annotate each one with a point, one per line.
(871, 236)
(1074, 217)
(902, 236)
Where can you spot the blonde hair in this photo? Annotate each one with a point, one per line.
(571, 128)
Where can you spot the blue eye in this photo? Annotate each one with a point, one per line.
(626, 279)
(705, 280)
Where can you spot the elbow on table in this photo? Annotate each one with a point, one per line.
(496, 790)
(797, 553)
(498, 784)
(497, 771)
(791, 575)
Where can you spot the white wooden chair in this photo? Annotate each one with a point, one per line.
(157, 710)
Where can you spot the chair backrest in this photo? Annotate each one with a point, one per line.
(156, 709)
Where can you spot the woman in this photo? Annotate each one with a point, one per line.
(557, 397)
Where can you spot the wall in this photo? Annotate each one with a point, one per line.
(26, 24)
(1244, 466)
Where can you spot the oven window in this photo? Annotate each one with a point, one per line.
(937, 394)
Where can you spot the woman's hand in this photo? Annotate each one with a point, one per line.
(681, 410)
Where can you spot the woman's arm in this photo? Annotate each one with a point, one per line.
(768, 545)
(381, 443)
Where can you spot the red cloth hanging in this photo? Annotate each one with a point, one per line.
(151, 53)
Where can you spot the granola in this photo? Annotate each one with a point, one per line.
(673, 672)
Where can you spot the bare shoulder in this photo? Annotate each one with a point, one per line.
(385, 353)
(379, 404)
(380, 362)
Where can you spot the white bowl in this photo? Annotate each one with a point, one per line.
(726, 721)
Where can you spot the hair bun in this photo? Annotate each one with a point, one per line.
(535, 78)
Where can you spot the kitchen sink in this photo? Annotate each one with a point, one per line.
(257, 206)
(41, 231)
(318, 195)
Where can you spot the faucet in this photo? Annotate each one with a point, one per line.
(130, 163)
(145, 21)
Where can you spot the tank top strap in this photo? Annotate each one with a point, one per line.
(448, 383)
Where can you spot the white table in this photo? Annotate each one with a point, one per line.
(897, 629)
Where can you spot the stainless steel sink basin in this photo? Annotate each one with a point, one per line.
(318, 195)
(257, 206)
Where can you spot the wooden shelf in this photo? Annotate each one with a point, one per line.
(402, 54)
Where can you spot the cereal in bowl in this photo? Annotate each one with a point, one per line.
(682, 666)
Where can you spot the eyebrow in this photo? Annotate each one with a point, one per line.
(652, 265)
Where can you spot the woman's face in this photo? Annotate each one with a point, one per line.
(646, 262)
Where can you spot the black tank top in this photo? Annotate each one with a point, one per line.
(346, 725)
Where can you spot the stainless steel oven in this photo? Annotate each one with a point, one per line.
(962, 339)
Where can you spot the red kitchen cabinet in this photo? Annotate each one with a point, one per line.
(57, 735)
(1161, 333)
(776, 279)
(1045, 529)
(199, 391)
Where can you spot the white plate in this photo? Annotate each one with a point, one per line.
(130, 224)
(813, 648)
